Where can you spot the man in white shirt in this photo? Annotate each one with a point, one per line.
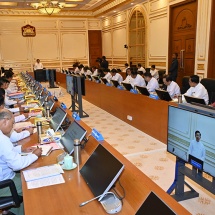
(126, 67)
(94, 71)
(196, 147)
(197, 89)
(86, 71)
(116, 76)
(172, 87)
(38, 65)
(154, 72)
(137, 80)
(140, 70)
(107, 76)
(10, 158)
(152, 82)
(128, 77)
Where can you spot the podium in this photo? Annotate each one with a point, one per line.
(40, 75)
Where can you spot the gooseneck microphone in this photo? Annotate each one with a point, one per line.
(84, 203)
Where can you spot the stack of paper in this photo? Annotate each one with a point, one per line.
(44, 176)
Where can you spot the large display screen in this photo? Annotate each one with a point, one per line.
(70, 85)
(191, 137)
(75, 84)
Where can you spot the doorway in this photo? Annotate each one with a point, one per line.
(182, 38)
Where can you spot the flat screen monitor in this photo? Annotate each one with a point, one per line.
(187, 129)
(115, 83)
(143, 90)
(101, 171)
(75, 84)
(42, 99)
(96, 78)
(75, 131)
(191, 99)
(104, 80)
(51, 104)
(58, 118)
(127, 86)
(39, 92)
(153, 205)
(163, 95)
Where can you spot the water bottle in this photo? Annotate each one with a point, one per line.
(39, 130)
(47, 111)
(77, 151)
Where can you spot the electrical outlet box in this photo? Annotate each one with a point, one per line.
(129, 117)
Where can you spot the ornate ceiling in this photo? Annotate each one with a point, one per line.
(88, 8)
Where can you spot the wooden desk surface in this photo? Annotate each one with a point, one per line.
(65, 198)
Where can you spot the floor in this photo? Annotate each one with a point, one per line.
(145, 152)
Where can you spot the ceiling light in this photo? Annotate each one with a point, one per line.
(8, 3)
(48, 7)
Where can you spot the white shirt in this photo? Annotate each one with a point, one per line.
(197, 149)
(88, 72)
(13, 110)
(128, 79)
(141, 69)
(11, 160)
(117, 77)
(19, 118)
(154, 73)
(138, 81)
(38, 66)
(108, 76)
(198, 91)
(152, 85)
(173, 89)
(95, 72)
(12, 88)
(15, 136)
(9, 101)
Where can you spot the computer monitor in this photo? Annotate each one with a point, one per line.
(51, 104)
(153, 205)
(70, 85)
(39, 92)
(42, 99)
(58, 119)
(191, 99)
(101, 171)
(75, 131)
(127, 86)
(104, 80)
(163, 95)
(143, 90)
(115, 83)
(75, 84)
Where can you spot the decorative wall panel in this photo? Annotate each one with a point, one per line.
(119, 40)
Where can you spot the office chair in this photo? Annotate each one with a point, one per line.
(209, 84)
(161, 73)
(185, 84)
(8, 202)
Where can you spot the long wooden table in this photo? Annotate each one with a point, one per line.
(65, 198)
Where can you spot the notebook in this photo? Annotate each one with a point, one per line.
(191, 99)
(127, 86)
(163, 95)
(104, 80)
(143, 90)
(115, 83)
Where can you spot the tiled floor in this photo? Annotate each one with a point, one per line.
(145, 152)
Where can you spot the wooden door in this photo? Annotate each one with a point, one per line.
(95, 46)
(182, 38)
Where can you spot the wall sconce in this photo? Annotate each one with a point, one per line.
(126, 46)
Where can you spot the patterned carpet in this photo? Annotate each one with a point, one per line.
(145, 152)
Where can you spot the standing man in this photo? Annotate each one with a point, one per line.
(173, 71)
(196, 147)
(38, 65)
(104, 63)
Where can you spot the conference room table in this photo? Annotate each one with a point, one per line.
(65, 198)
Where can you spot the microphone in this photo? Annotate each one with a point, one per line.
(84, 203)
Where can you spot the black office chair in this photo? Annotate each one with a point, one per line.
(161, 73)
(8, 202)
(209, 84)
(185, 84)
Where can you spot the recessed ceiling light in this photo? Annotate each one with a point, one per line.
(132, 3)
(70, 5)
(114, 11)
(74, 0)
(8, 3)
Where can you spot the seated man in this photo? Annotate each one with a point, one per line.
(128, 77)
(197, 89)
(86, 71)
(10, 158)
(172, 87)
(137, 80)
(12, 87)
(196, 147)
(94, 71)
(116, 76)
(154, 72)
(107, 76)
(140, 70)
(152, 82)
(126, 67)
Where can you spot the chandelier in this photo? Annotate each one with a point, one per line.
(48, 7)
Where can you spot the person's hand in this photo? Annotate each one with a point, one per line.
(21, 109)
(30, 130)
(26, 115)
(29, 149)
(18, 130)
(37, 152)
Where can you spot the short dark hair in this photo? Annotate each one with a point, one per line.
(113, 71)
(176, 55)
(167, 77)
(126, 64)
(148, 74)
(103, 57)
(153, 66)
(8, 74)
(134, 72)
(194, 78)
(197, 132)
(3, 80)
(139, 65)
